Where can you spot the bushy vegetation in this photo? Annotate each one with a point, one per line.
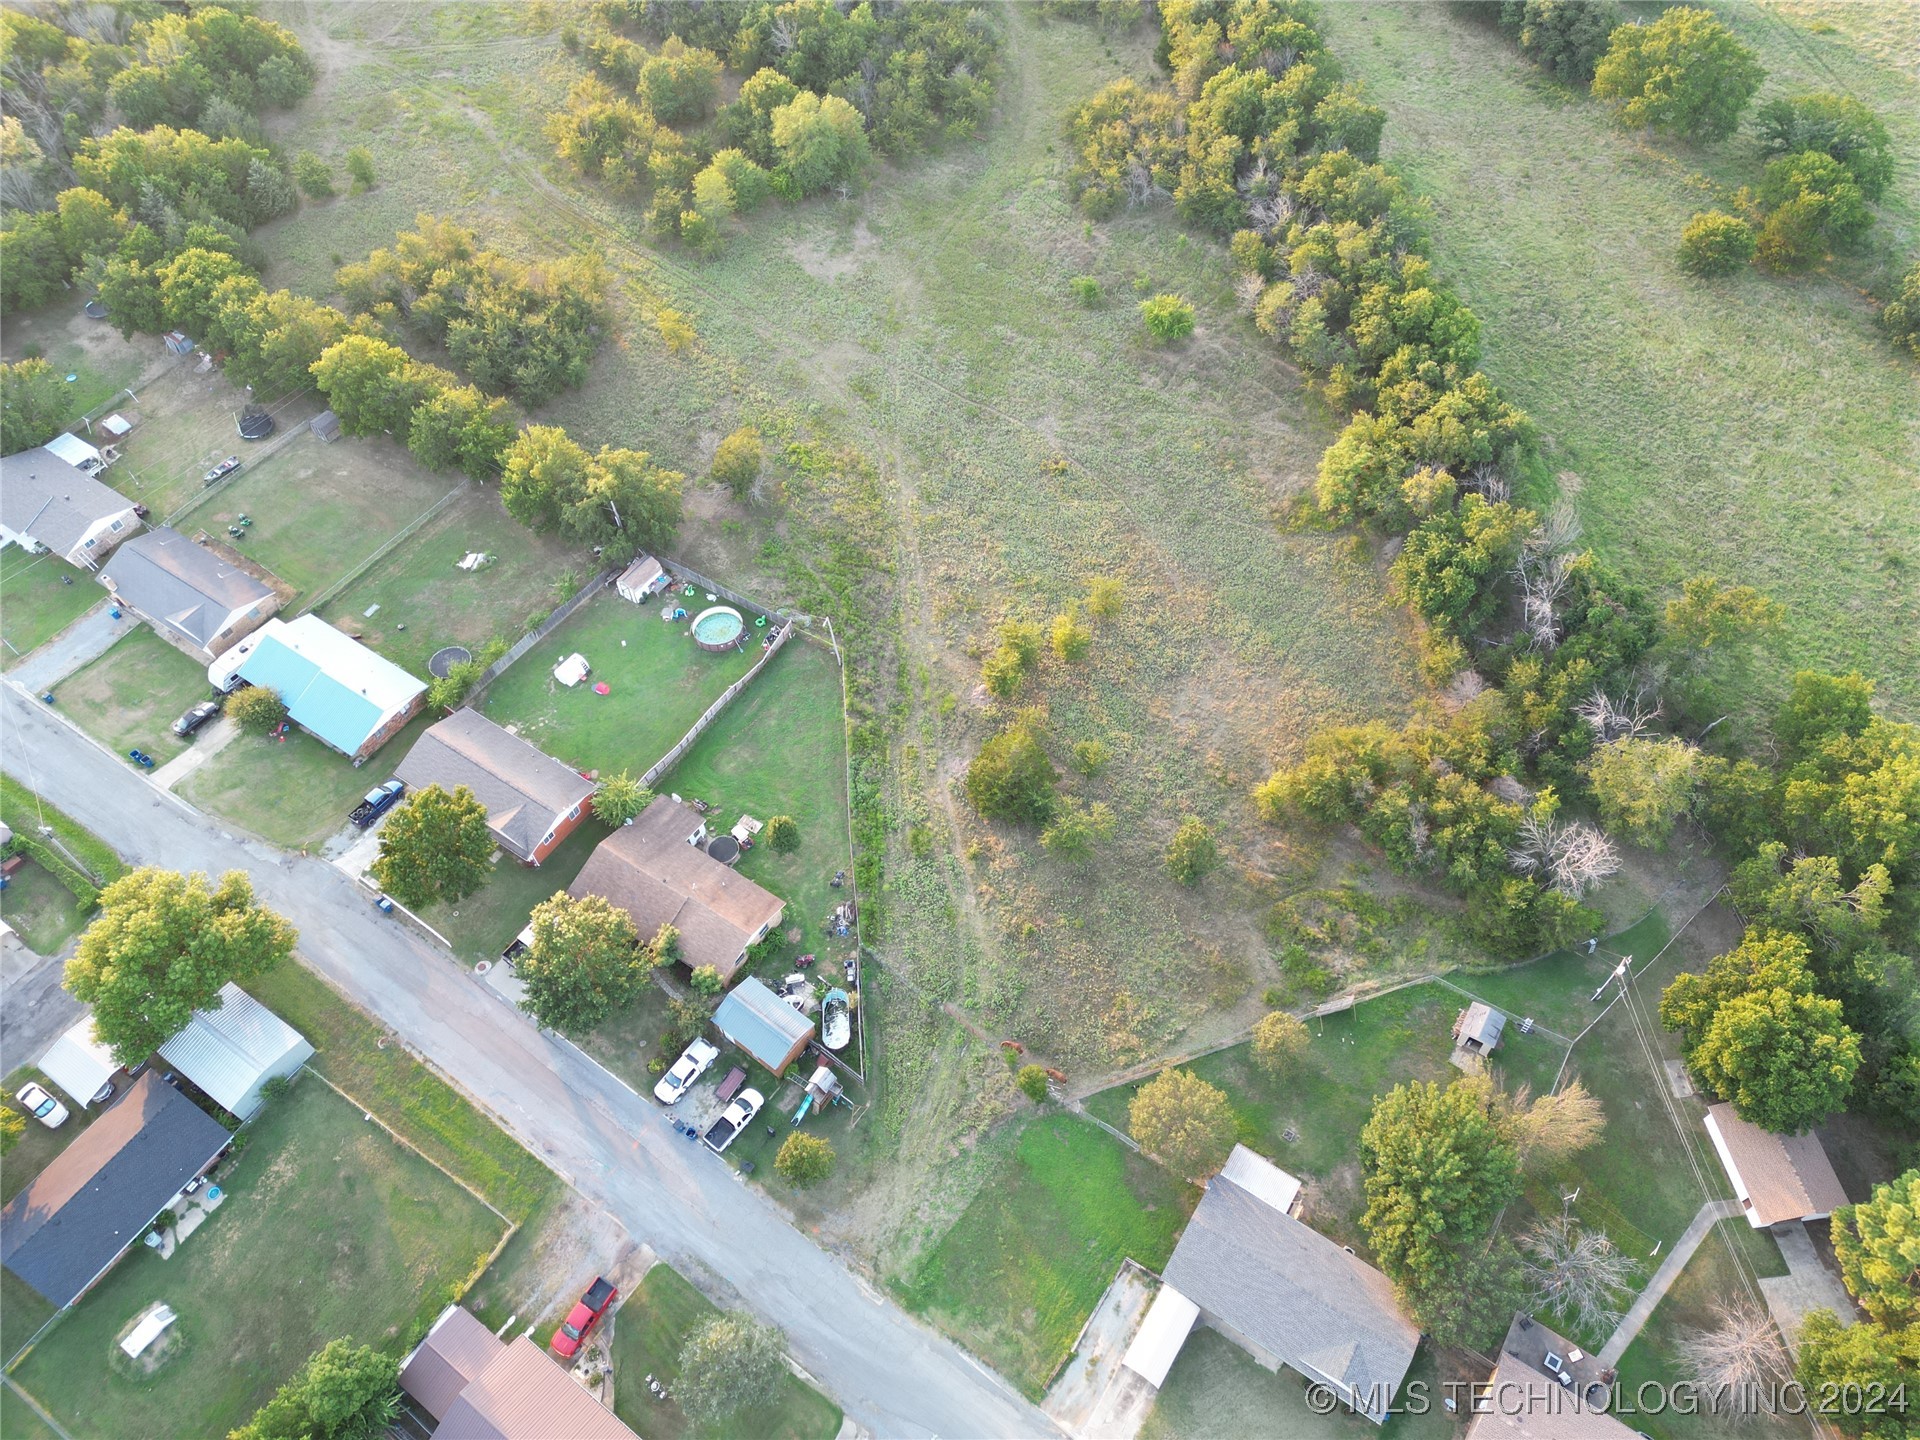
(1879, 1252)
(1683, 74)
(1715, 243)
(823, 90)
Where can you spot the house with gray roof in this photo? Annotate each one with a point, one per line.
(763, 1025)
(1544, 1387)
(1282, 1292)
(48, 504)
(201, 601)
(103, 1192)
(533, 801)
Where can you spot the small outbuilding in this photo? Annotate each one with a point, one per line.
(326, 426)
(231, 1052)
(762, 1024)
(1477, 1028)
(645, 577)
(78, 453)
(1778, 1178)
(80, 1064)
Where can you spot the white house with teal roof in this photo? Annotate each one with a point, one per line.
(334, 687)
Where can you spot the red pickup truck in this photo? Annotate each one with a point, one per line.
(579, 1323)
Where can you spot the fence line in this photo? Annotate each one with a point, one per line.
(382, 552)
(540, 632)
(672, 757)
(207, 492)
(733, 597)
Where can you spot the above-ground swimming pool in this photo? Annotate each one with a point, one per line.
(718, 628)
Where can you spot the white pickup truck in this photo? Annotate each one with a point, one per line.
(735, 1118)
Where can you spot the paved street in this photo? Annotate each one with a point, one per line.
(892, 1374)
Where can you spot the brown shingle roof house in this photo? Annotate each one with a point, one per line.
(474, 1386)
(1777, 1177)
(533, 801)
(655, 871)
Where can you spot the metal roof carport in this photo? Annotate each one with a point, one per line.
(231, 1052)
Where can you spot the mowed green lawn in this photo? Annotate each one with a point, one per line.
(42, 909)
(293, 791)
(427, 601)
(330, 1229)
(482, 925)
(1017, 1276)
(649, 1329)
(1759, 428)
(129, 698)
(660, 682)
(35, 602)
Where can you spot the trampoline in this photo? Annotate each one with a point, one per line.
(445, 658)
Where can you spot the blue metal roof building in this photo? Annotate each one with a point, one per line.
(332, 685)
(763, 1025)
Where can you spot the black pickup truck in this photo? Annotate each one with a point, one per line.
(379, 800)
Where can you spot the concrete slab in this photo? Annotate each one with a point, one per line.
(80, 644)
(1095, 1396)
(1678, 1080)
(501, 979)
(211, 740)
(1808, 1285)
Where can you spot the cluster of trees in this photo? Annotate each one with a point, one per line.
(340, 1393)
(825, 89)
(34, 405)
(1878, 1246)
(529, 331)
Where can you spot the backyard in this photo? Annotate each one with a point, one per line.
(660, 683)
(37, 603)
(41, 908)
(329, 1228)
(649, 1329)
(129, 698)
(1017, 1277)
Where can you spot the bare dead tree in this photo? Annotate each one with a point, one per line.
(1577, 1271)
(1544, 572)
(781, 34)
(1270, 213)
(1548, 1130)
(1486, 480)
(1572, 858)
(1142, 188)
(1742, 1351)
(1614, 720)
(1248, 287)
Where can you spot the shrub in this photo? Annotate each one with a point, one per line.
(1715, 244)
(1192, 855)
(1031, 1081)
(1011, 778)
(13, 1125)
(1168, 317)
(257, 710)
(1105, 594)
(310, 172)
(1071, 636)
(360, 167)
(783, 834)
(619, 798)
(803, 1160)
(276, 1088)
(677, 330)
(707, 981)
(1279, 1040)
(737, 461)
(1085, 289)
(1090, 756)
(1902, 315)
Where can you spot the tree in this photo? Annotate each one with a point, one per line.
(1185, 1122)
(1740, 1354)
(1072, 637)
(461, 428)
(1436, 1171)
(33, 264)
(1577, 1272)
(1814, 205)
(360, 167)
(1643, 787)
(706, 980)
(619, 798)
(819, 142)
(1031, 1081)
(340, 1393)
(585, 962)
(1902, 315)
(1280, 1042)
(375, 387)
(1077, 830)
(1710, 612)
(34, 404)
(1568, 37)
(1837, 126)
(187, 285)
(311, 174)
(1683, 74)
(1011, 778)
(1556, 1127)
(1786, 1061)
(737, 461)
(680, 82)
(161, 947)
(13, 1125)
(435, 848)
(726, 1364)
(257, 710)
(1715, 244)
(1192, 854)
(623, 503)
(1167, 317)
(1878, 1245)
(803, 1160)
(783, 834)
(1009, 664)
(542, 471)
(1865, 1358)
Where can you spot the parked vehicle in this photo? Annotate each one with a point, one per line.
(733, 1120)
(220, 472)
(379, 800)
(580, 1321)
(196, 717)
(691, 1065)
(42, 1106)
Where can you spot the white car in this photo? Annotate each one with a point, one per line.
(43, 1107)
(691, 1065)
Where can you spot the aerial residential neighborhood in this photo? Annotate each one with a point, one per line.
(1115, 719)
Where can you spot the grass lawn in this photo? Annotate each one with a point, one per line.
(329, 1229)
(661, 683)
(319, 510)
(435, 1118)
(781, 749)
(649, 1329)
(1215, 1388)
(426, 601)
(1718, 1270)
(626, 1042)
(18, 1420)
(34, 605)
(92, 351)
(130, 697)
(294, 792)
(1017, 1277)
(483, 924)
(41, 908)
